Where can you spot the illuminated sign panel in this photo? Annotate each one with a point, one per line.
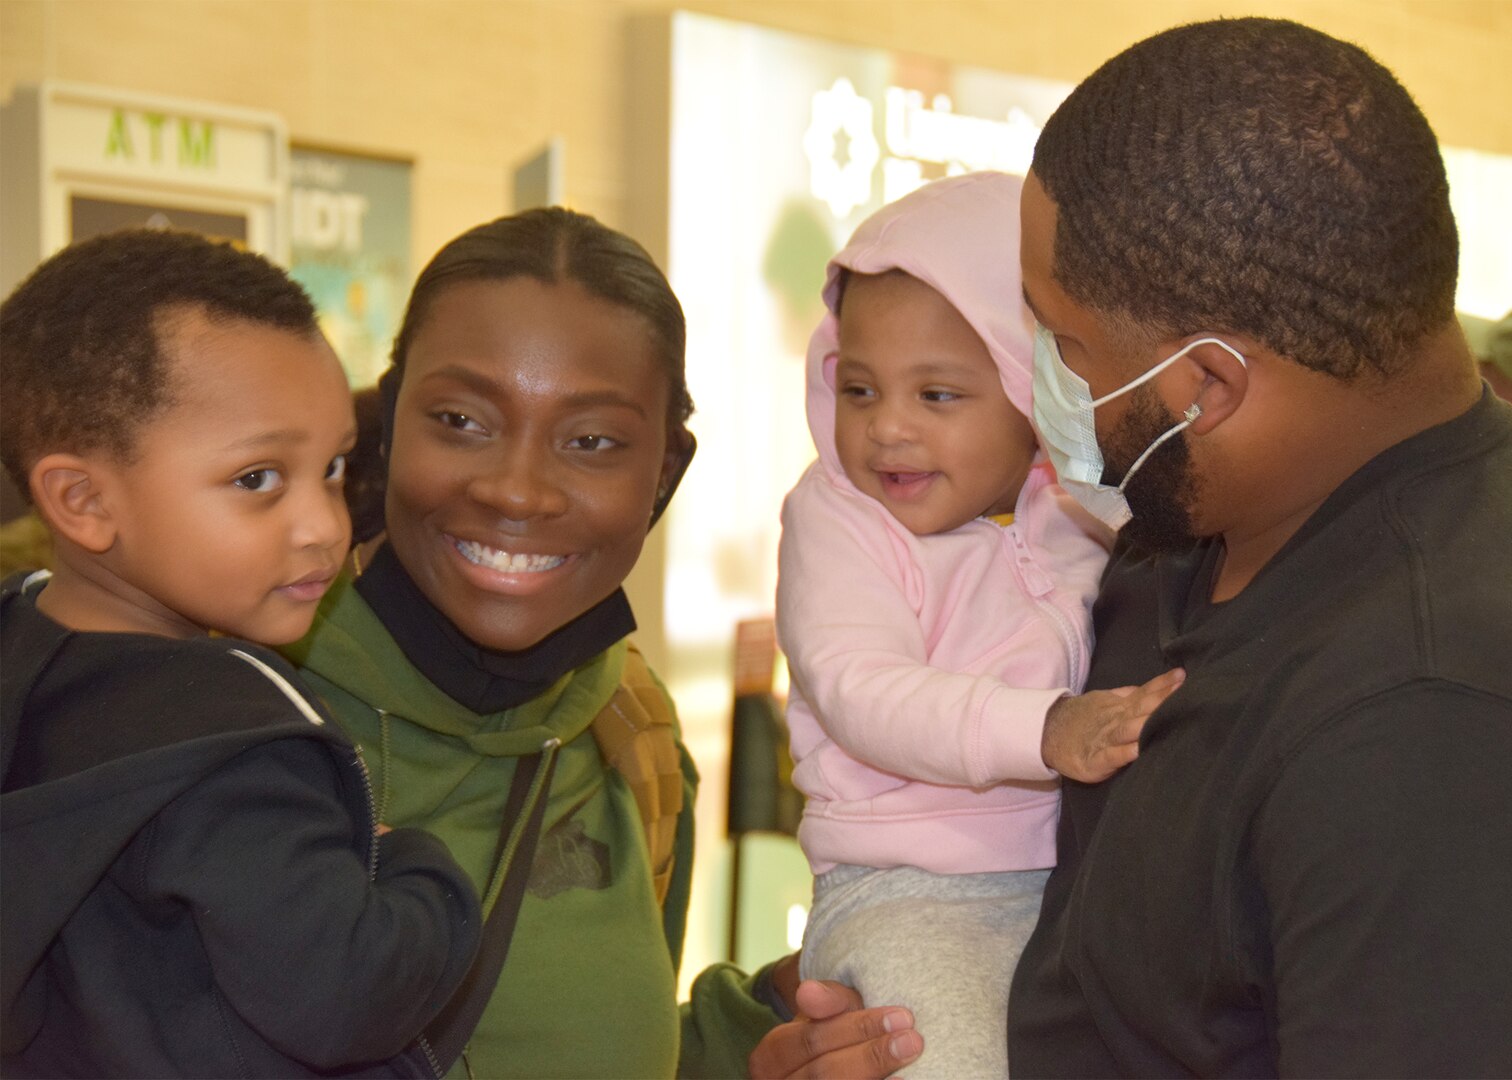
(780, 146)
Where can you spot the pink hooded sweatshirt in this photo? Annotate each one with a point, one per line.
(923, 666)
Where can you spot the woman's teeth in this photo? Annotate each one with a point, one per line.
(505, 562)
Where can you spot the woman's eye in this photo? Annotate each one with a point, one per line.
(260, 480)
(336, 470)
(459, 422)
(592, 442)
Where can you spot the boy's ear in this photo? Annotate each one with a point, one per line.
(69, 493)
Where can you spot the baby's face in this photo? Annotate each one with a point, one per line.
(230, 511)
(922, 423)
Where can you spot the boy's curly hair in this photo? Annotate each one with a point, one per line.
(1257, 177)
(81, 366)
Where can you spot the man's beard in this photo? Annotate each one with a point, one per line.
(1165, 487)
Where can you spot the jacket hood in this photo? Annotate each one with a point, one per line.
(960, 236)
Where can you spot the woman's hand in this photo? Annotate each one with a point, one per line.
(833, 1036)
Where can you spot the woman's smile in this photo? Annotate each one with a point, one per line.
(506, 562)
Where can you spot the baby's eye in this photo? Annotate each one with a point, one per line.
(336, 470)
(459, 422)
(939, 395)
(263, 480)
(592, 443)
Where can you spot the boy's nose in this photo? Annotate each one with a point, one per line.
(322, 520)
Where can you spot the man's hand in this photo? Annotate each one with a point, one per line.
(835, 1037)
(1091, 736)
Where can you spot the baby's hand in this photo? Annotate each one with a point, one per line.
(1091, 736)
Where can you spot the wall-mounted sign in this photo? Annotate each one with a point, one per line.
(780, 145)
(77, 159)
(349, 247)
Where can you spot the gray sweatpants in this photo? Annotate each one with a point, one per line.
(944, 945)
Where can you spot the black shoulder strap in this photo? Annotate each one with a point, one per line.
(449, 1032)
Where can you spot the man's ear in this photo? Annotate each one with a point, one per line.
(69, 493)
(1223, 380)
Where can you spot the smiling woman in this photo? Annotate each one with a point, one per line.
(535, 429)
(531, 438)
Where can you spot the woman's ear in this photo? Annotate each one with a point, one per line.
(69, 493)
(680, 449)
(1224, 380)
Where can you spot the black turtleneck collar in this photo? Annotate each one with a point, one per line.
(483, 680)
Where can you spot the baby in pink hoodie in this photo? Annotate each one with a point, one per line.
(933, 601)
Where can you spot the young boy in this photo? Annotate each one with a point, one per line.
(194, 880)
(933, 602)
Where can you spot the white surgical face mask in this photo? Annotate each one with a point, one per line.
(1063, 408)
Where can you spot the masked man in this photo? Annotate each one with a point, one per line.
(1239, 247)
(1238, 243)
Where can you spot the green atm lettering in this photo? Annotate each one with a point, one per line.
(154, 122)
(197, 144)
(196, 139)
(118, 138)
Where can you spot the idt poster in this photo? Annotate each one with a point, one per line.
(349, 247)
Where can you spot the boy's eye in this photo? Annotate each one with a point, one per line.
(592, 443)
(260, 480)
(459, 422)
(856, 391)
(336, 470)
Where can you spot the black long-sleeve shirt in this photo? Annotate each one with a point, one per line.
(1308, 869)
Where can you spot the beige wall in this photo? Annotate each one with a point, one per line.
(469, 88)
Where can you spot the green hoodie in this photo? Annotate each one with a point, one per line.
(590, 985)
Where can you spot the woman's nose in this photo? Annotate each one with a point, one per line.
(520, 484)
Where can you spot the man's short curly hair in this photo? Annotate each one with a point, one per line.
(1257, 177)
(81, 366)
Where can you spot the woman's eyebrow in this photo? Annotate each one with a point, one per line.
(611, 398)
(473, 380)
(483, 385)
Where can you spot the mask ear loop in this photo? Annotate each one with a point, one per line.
(1193, 411)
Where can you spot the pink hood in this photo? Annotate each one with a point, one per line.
(960, 236)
